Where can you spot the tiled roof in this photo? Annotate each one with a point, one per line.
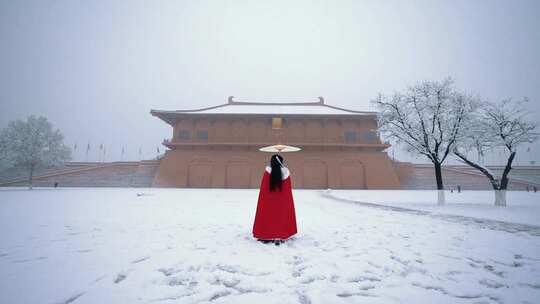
(282, 108)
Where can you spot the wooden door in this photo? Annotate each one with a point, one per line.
(315, 175)
(352, 175)
(200, 175)
(238, 174)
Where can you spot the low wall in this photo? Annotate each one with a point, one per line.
(114, 174)
(420, 176)
(143, 174)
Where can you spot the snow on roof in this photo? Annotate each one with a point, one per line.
(273, 109)
(282, 108)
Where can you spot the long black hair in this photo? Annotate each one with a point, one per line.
(276, 162)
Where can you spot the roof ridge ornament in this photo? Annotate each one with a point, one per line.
(230, 100)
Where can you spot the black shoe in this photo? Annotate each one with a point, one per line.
(277, 242)
(265, 241)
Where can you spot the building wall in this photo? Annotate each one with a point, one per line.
(227, 155)
(243, 168)
(258, 129)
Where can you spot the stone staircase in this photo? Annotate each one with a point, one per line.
(528, 173)
(141, 174)
(144, 176)
(114, 174)
(16, 173)
(416, 176)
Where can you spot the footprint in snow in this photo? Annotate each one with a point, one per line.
(535, 286)
(303, 299)
(492, 270)
(168, 271)
(21, 261)
(72, 298)
(227, 268)
(219, 294)
(29, 260)
(430, 287)
(177, 281)
(120, 277)
(83, 250)
(350, 294)
(312, 279)
(359, 279)
(490, 283)
(99, 279)
(227, 282)
(140, 260)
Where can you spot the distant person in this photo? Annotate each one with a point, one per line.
(55, 184)
(535, 189)
(459, 188)
(275, 219)
(527, 187)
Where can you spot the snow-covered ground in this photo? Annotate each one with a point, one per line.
(191, 246)
(522, 207)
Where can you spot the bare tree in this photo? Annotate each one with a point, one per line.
(497, 125)
(426, 118)
(32, 144)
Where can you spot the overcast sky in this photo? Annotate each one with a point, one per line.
(96, 68)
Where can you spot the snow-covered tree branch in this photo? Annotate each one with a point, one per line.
(32, 144)
(503, 124)
(427, 118)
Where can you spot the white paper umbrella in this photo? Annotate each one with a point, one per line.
(279, 148)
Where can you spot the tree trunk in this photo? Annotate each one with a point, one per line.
(504, 178)
(500, 198)
(30, 177)
(494, 183)
(441, 200)
(438, 175)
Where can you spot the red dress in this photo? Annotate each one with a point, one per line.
(275, 217)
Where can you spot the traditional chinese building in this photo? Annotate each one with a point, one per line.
(218, 147)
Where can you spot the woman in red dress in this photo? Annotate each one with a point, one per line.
(275, 219)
